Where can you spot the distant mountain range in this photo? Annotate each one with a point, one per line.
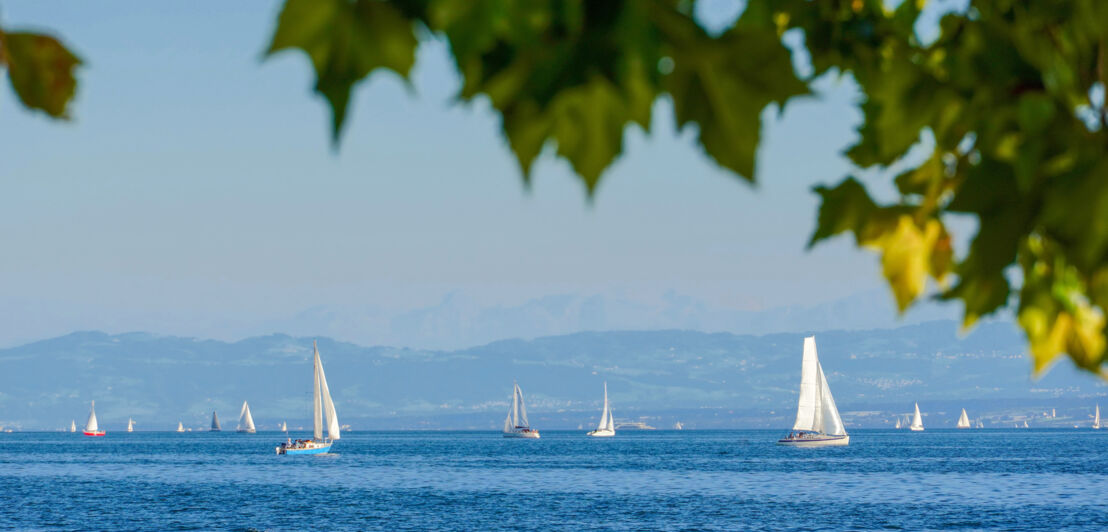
(706, 380)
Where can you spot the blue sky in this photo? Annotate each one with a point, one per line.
(195, 192)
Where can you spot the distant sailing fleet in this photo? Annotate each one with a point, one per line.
(818, 423)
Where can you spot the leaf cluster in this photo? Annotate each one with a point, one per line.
(40, 69)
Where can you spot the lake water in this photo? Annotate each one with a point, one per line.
(703, 480)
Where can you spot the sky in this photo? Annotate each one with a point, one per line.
(195, 192)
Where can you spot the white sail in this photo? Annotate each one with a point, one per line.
(963, 420)
(92, 426)
(215, 422)
(521, 418)
(898, 421)
(917, 420)
(180, 427)
(246, 421)
(606, 427)
(130, 425)
(284, 426)
(322, 405)
(517, 413)
(1096, 418)
(816, 410)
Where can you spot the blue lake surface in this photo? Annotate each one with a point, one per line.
(653, 480)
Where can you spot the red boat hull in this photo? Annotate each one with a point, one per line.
(97, 433)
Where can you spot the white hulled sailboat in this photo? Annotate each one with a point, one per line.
(180, 427)
(817, 418)
(322, 407)
(1096, 418)
(73, 426)
(246, 421)
(898, 421)
(130, 425)
(92, 428)
(607, 427)
(917, 421)
(215, 423)
(963, 421)
(516, 425)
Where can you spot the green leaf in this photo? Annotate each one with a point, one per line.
(723, 84)
(346, 40)
(41, 70)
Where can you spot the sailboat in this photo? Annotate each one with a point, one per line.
(322, 406)
(817, 418)
(980, 425)
(92, 428)
(917, 421)
(284, 426)
(73, 426)
(1025, 424)
(1096, 418)
(898, 421)
(130, 425)
(963, 421)
(606, 427)
(516, 425)
(246, 421)
(180, 427)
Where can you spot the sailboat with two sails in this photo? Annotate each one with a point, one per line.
(73, 425)
(963, 421)
(917, 421)
(516, 425)
(818, 423)
(607, 426)
(322, 407)
(246, 421)
(180, 427)
(92, 428)
(130, 425)
(215, 423)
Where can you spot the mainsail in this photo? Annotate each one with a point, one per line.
(322, 405)
(606, 423)
(517, 414)
(130, 425)
(963, 421)
(73, 425)
(246, 421)
(1096, 419)
(816, 410)
(92, 426)
(215, 422)
(917, 420)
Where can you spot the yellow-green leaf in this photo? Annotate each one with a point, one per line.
(41, 70)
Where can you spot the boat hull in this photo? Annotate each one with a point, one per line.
(244, 431)
(309, 448)
(529, 435)
(916, 429)
(94, 433)
(817, 441)
(602, 433)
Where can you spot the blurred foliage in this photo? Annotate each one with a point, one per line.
(40, 69)
(1009, 98)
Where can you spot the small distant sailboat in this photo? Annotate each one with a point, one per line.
(1053, 413)
(322, 406)
(676, 426)
(607, 428)
(516, 425)
(215, 423)
(817, 418)
(246, 421)
(284, 426)
(963, 421)
(180, 427)
(73, 426)
(130, 425)
(980, 425)
(92, 428)
(1096, 418)
(917, 421)
(1025, 424)
(897, 422)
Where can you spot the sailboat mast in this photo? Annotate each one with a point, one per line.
(317, 403)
